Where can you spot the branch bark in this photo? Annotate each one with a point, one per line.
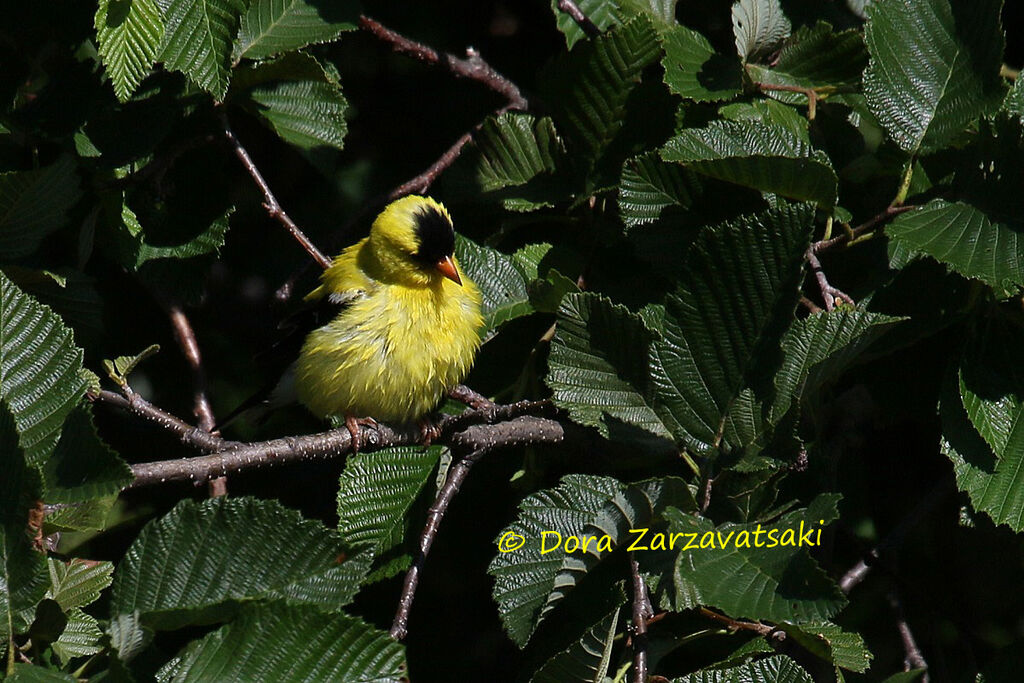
(489, 428)
(270, 202)
(581, 19)
(472, 66)
(642, 611)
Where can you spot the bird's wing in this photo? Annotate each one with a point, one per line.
(278, 357)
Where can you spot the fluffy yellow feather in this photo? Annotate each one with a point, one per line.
(408, 328)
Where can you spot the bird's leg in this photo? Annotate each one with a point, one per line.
(353, 424)
(429, 430)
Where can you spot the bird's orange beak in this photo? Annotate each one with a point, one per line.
(446, 267)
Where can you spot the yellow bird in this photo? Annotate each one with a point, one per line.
(406, 325)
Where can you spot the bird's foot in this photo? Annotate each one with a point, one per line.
(429, 430)
(353, 424)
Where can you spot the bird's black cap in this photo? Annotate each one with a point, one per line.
(435, 235)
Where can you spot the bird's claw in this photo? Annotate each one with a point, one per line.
(353, 424)
(429, 430)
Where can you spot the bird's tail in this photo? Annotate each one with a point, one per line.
(259, 405)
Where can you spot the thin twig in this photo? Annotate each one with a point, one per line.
(737, 624)
(186, 338)
(829, 293)
(912, 659)
(581, 19)
(809, 305)
(471, 398)
(873, 222)
(859, 571)
(472, 67)
(269, 200)
(642, 612)
(476, 442)
(810, 93)
(186, 433)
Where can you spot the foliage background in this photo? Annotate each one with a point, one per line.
(872, 435)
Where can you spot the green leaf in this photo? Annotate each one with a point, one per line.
(375, 493)
(759, 26)
(965, 239)
(819, 347)
(231, 551)
(651, 189)
(77, 582)
(197, 41)
(530, 582)
(1014, 102)
(81, 637)
(90, 515)
(503, 280)
(271, 27)
(129, 34)
(830, 642)
(777, 669)
(297, 98)
(814, 57)
(773, 582)
(695, 71)
(608, 13)
(39, 370)
(33, 204)
(512, 158)
(70, 293)
(587, 659)
(588, 88)
(767, 157)
(128, 637)
(122, 366)
(22, 581)
(990, 482)
(306, 114)
(598, 369)
(82, 466)
(27, 673)
(992, 388)
(724, 322)
(934, 68)
(134, 250)
(983, 423)
(296, 643)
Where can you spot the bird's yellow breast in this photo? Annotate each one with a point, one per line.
(394, 349)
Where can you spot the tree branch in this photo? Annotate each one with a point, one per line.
(912, 659)
(489, 428)
(581, 19)
(186, 433)
(472, 67)
(810, 93)
(642, 611)
(839, 240)
(828, 293)
(269, 200)
(736, 624)
(186, 338)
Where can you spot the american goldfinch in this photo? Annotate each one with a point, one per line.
(404, 327)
